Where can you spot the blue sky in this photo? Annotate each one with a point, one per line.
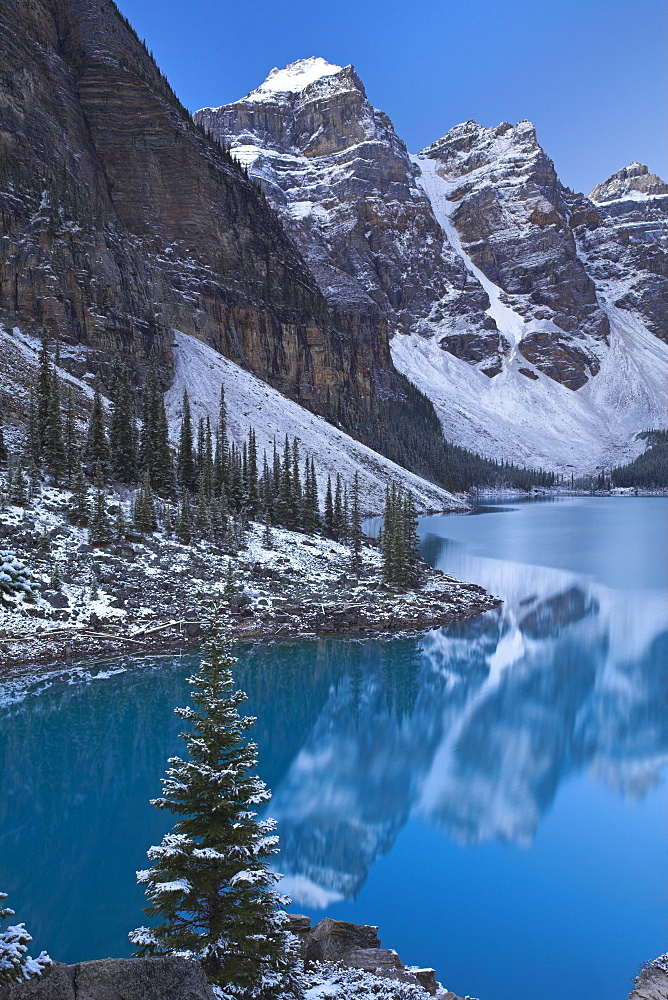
(591, 74)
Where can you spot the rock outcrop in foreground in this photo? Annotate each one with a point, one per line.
(652, 981)
(328, 949)
(111, 978)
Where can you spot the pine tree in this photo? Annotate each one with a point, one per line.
(99, 529)
(70, 437)
(123, 456)
(79, 507)
(54, 450)
(44, 383)
(96, 450)
(19, 493)
(252, 482)
(3, 446)
(230, 583)
(202, 516)
(120, 524)
(15, 580)
(411, 542)
(267, 537)
(355, 532)
(399, 541)
(329, 510)
(186, 475)
(155, 452)
(16, 965)
(296, 497)
(32, 448)
(210, 886)
(391, 539)
(144, 512)
(311, 505)
(285, 501)
(184, 527)
(339, 519)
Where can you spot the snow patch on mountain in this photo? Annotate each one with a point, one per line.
(536, 421)
(293, 78)
(201, 371)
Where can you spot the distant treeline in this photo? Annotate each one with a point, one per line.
(649, 470)
(411, 435)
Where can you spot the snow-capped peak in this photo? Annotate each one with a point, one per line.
(294, 78)
(632, 183)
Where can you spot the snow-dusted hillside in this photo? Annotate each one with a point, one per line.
(512, 302)
(533, 418)
(251, 403)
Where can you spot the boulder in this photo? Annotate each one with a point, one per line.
(165, 978)
(331, 939)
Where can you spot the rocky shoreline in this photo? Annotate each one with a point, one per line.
(151, 594)
(340, 959)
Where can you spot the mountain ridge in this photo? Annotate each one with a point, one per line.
(505, 235)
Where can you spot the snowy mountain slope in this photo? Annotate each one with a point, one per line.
(522, 411)
(251, 403)
(506, 296)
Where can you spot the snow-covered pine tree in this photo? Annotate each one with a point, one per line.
(15, 580)
(3, 447)
(96, 450)
(122, 431)
(210, 885)
(16, 965)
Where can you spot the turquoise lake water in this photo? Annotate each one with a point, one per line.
(492, 794)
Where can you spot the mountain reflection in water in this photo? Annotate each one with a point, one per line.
(474, 726)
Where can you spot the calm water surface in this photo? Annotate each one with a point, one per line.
(492, 794)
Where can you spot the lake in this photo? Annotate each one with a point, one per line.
(491, 794)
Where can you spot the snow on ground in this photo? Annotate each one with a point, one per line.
(539, 422)
(201, 371)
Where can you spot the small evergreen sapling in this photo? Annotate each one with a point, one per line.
(210, 885)
(15, 580)
(16, 965)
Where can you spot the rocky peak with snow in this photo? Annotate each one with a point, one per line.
(345, 187)
(627, 254)
(311, 107)
(473, 256)
(634, 182)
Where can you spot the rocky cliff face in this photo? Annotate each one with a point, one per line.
(487, 271)
(628, 252)
(120, 220)
(512, 217)
(346, 190)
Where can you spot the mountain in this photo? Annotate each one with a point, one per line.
(121, 222)
(494, 279)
